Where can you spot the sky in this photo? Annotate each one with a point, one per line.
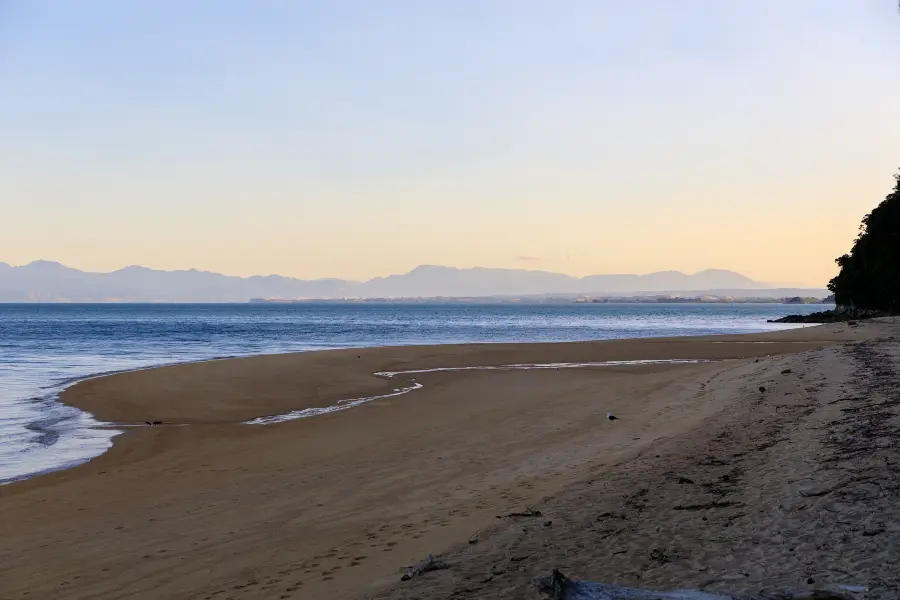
(353, 139)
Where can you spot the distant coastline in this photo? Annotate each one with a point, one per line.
(47, 281)
(654, 299)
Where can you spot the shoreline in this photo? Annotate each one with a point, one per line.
(54, 397)
(41, 434)
(500, 354)
(120, 426)
(186, 511)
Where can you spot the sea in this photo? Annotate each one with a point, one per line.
(46, 347)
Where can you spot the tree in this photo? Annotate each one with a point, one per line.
(870, 274)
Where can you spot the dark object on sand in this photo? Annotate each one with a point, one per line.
(785, 371)
(559, 587)
(611, 416)
(429, 564)
(529, 512)
(762, 389)
(151, 423)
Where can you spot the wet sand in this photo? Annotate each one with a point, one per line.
(334, 506)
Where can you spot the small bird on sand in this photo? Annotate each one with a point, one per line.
(611, 416)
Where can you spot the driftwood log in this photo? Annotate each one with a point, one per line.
(429, 564)
(559, 587)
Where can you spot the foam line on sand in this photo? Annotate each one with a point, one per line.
(352, 402)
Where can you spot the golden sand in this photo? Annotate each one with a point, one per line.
(335, 505)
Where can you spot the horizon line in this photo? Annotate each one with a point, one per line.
(772, 285)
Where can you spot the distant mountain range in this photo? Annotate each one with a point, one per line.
(46, 281)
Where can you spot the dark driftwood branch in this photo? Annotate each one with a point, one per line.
(707, 505)
(528, 513)
(559, 587)
(429, 564)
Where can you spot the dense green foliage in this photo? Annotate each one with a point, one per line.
(870, 274)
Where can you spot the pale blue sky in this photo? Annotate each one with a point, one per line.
(356, 139)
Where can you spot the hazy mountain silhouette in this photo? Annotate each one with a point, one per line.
(51, 282)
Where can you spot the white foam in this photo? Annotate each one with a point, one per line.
(527, 366)
(351, 402)
(341, 405)
(86, 437)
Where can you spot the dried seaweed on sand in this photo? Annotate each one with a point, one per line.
(559, 587)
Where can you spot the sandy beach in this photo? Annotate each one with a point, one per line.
(702, 481)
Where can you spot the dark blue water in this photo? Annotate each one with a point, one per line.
(44, 347)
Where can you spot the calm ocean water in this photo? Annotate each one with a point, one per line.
(45, 347)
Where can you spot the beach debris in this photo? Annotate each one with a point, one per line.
(828, 490)
(712, 461)
(528, 513)
(856, 589)
(872, 532)
(706, 505)
(786, 371)
(559, 587)
(611, 416)
(762, 389)
(611, 515)
(429, 564)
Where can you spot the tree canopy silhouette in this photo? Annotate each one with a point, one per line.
(869, 278)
